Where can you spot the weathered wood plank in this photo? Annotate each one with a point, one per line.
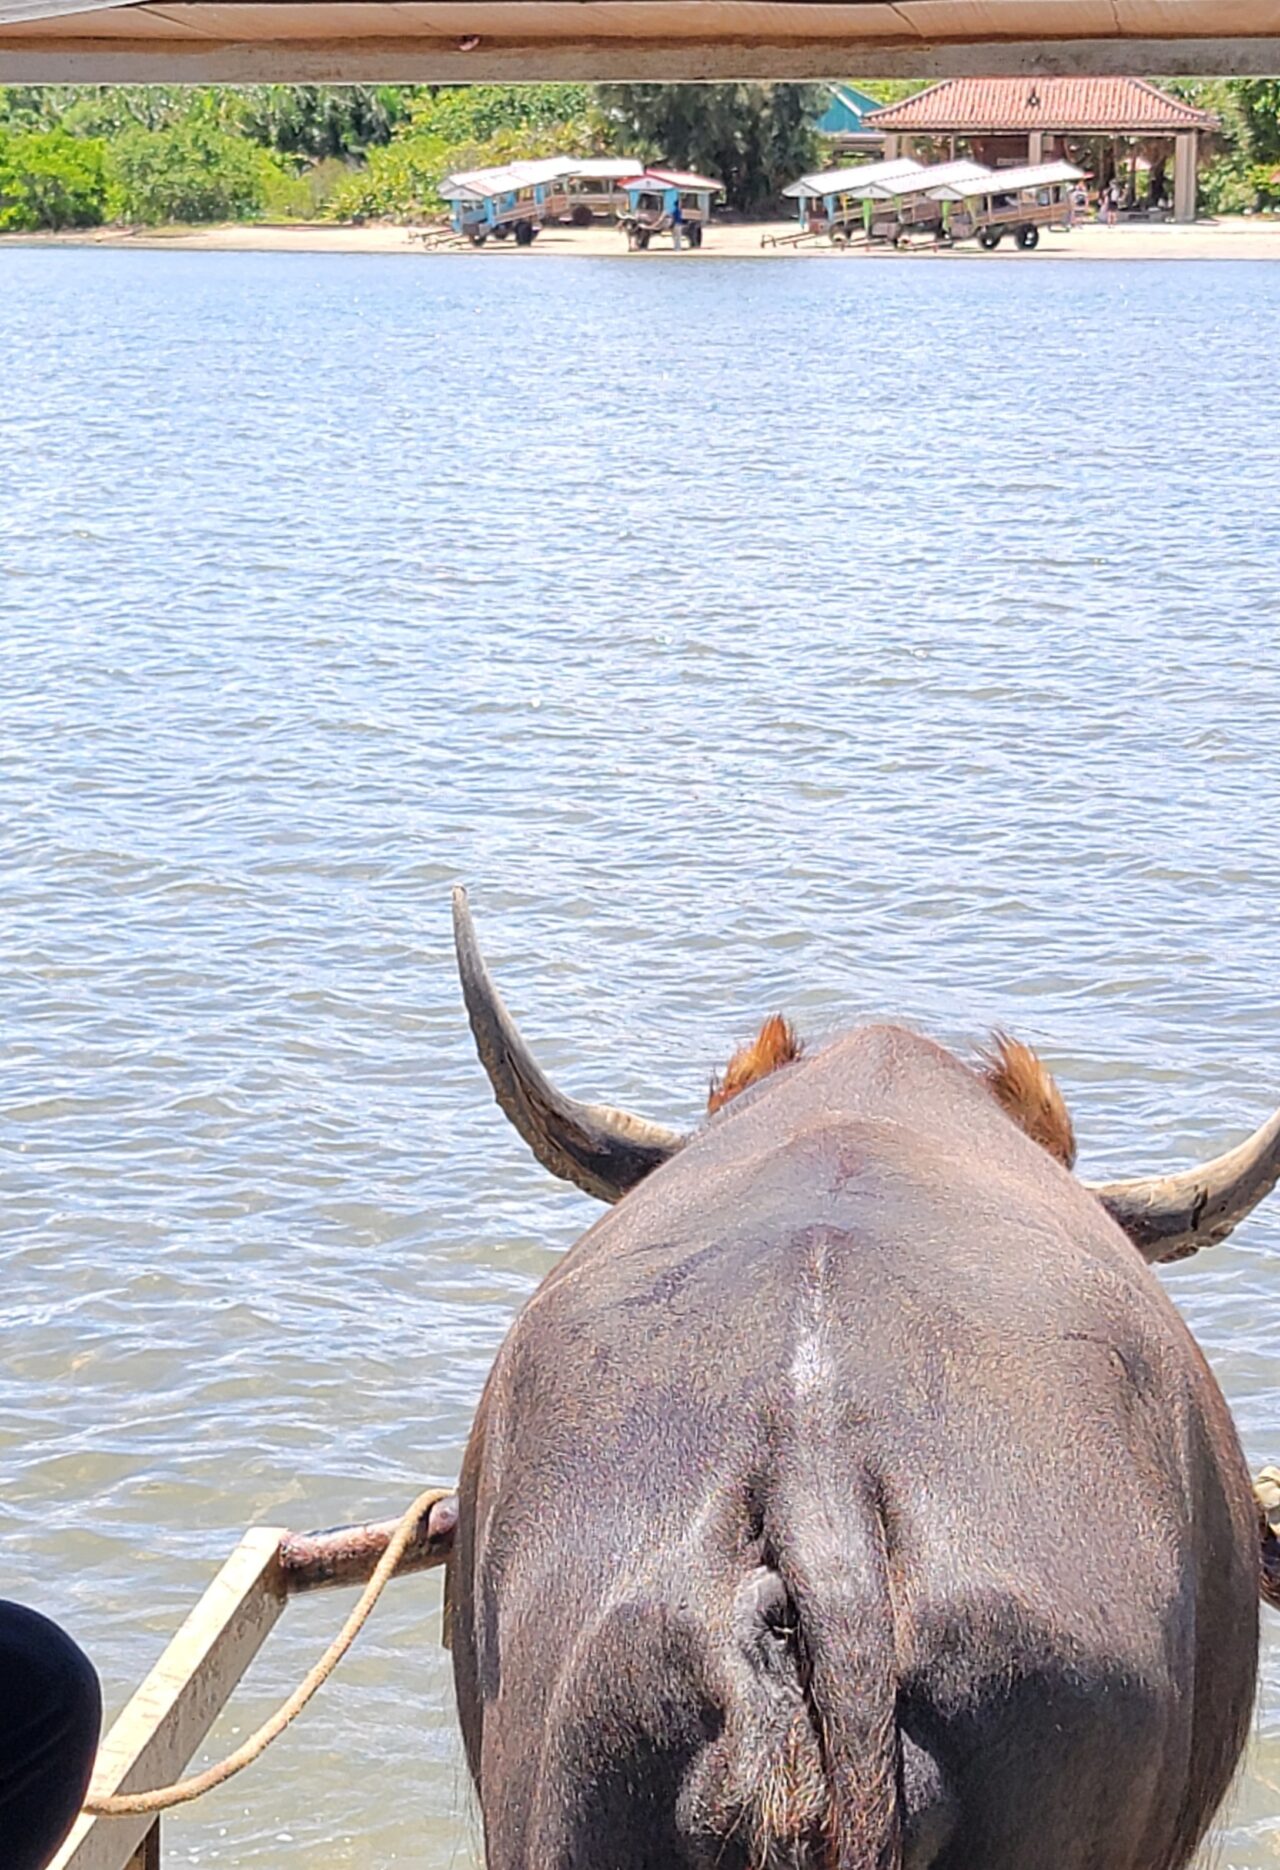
(346, 1555)
(30, 60)
(147, 1855)
(935, 21)
(158, 1731)
(155, 1736)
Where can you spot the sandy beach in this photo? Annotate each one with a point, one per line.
(1237, 238)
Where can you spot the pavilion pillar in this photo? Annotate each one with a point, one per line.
(1035, 147)
(906, 146)
(890, 149)
(1184, 175)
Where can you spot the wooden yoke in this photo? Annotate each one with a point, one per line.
(1266, 1491)
(161, 1727)
(168, 1717)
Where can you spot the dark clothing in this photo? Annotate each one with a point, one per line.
(50, 1712)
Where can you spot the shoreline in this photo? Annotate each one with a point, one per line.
(1231, 238)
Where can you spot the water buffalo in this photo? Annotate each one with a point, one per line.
(851, 1496)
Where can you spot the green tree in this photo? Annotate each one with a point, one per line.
(755, 138)
(401, 181)
(1258, 101)
(1240, 175)
(473, 113)
(315, 121)
(192, 172)
(107, 110)
(888, 90)
(398, 182)
(294, 119)
(1248, 108)
(22, 107)
(51, 180)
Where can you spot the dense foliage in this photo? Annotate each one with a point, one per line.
(1243, 171)
(49, 178)
(467, 127)
(475, 113)
(312, 120)
(191, 172)
(755, 138)
(152, 153)
(79, 155)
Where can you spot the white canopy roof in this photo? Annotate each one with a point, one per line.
(925, 181)
(1007, 181)
(850, 181)
(605, 168)
(483, 184)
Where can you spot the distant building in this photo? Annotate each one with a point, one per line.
(843, 121)
(1125, 128)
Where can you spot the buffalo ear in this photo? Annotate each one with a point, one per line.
(1024, 1087)
(775, 1045)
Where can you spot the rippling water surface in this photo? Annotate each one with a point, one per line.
(849, 639)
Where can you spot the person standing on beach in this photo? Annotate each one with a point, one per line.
(1113, 202)
(50, 1713)
(677, 224)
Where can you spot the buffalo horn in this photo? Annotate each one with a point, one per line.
(602, 1150)
(1170, 1216)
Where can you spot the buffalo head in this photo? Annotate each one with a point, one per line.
(606, 1151)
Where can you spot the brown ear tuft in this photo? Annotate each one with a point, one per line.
(1024, 1087)
(775, 1044)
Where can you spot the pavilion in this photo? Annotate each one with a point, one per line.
(1106, 125)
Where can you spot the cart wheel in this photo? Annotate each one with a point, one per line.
(989, 238)
(642, 239)
(523, 231)
(582, 215)
(477, 236)
(695, 233)
(500, 233)
(1028, 237)
(839, 237)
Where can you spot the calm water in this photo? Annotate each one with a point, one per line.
(844, 638)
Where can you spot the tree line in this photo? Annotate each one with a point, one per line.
(84, 155)
(1243, 173)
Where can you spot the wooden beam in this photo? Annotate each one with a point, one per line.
(345, 1555)
(25, 58)
(147, 1855)
(1185, 160)
(159, 1730)
(154, 1738)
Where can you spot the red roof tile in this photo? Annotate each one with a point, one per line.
(1122, 105)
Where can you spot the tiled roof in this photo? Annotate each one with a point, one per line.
(1127, 105)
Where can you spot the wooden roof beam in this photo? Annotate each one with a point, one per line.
(27, 57)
